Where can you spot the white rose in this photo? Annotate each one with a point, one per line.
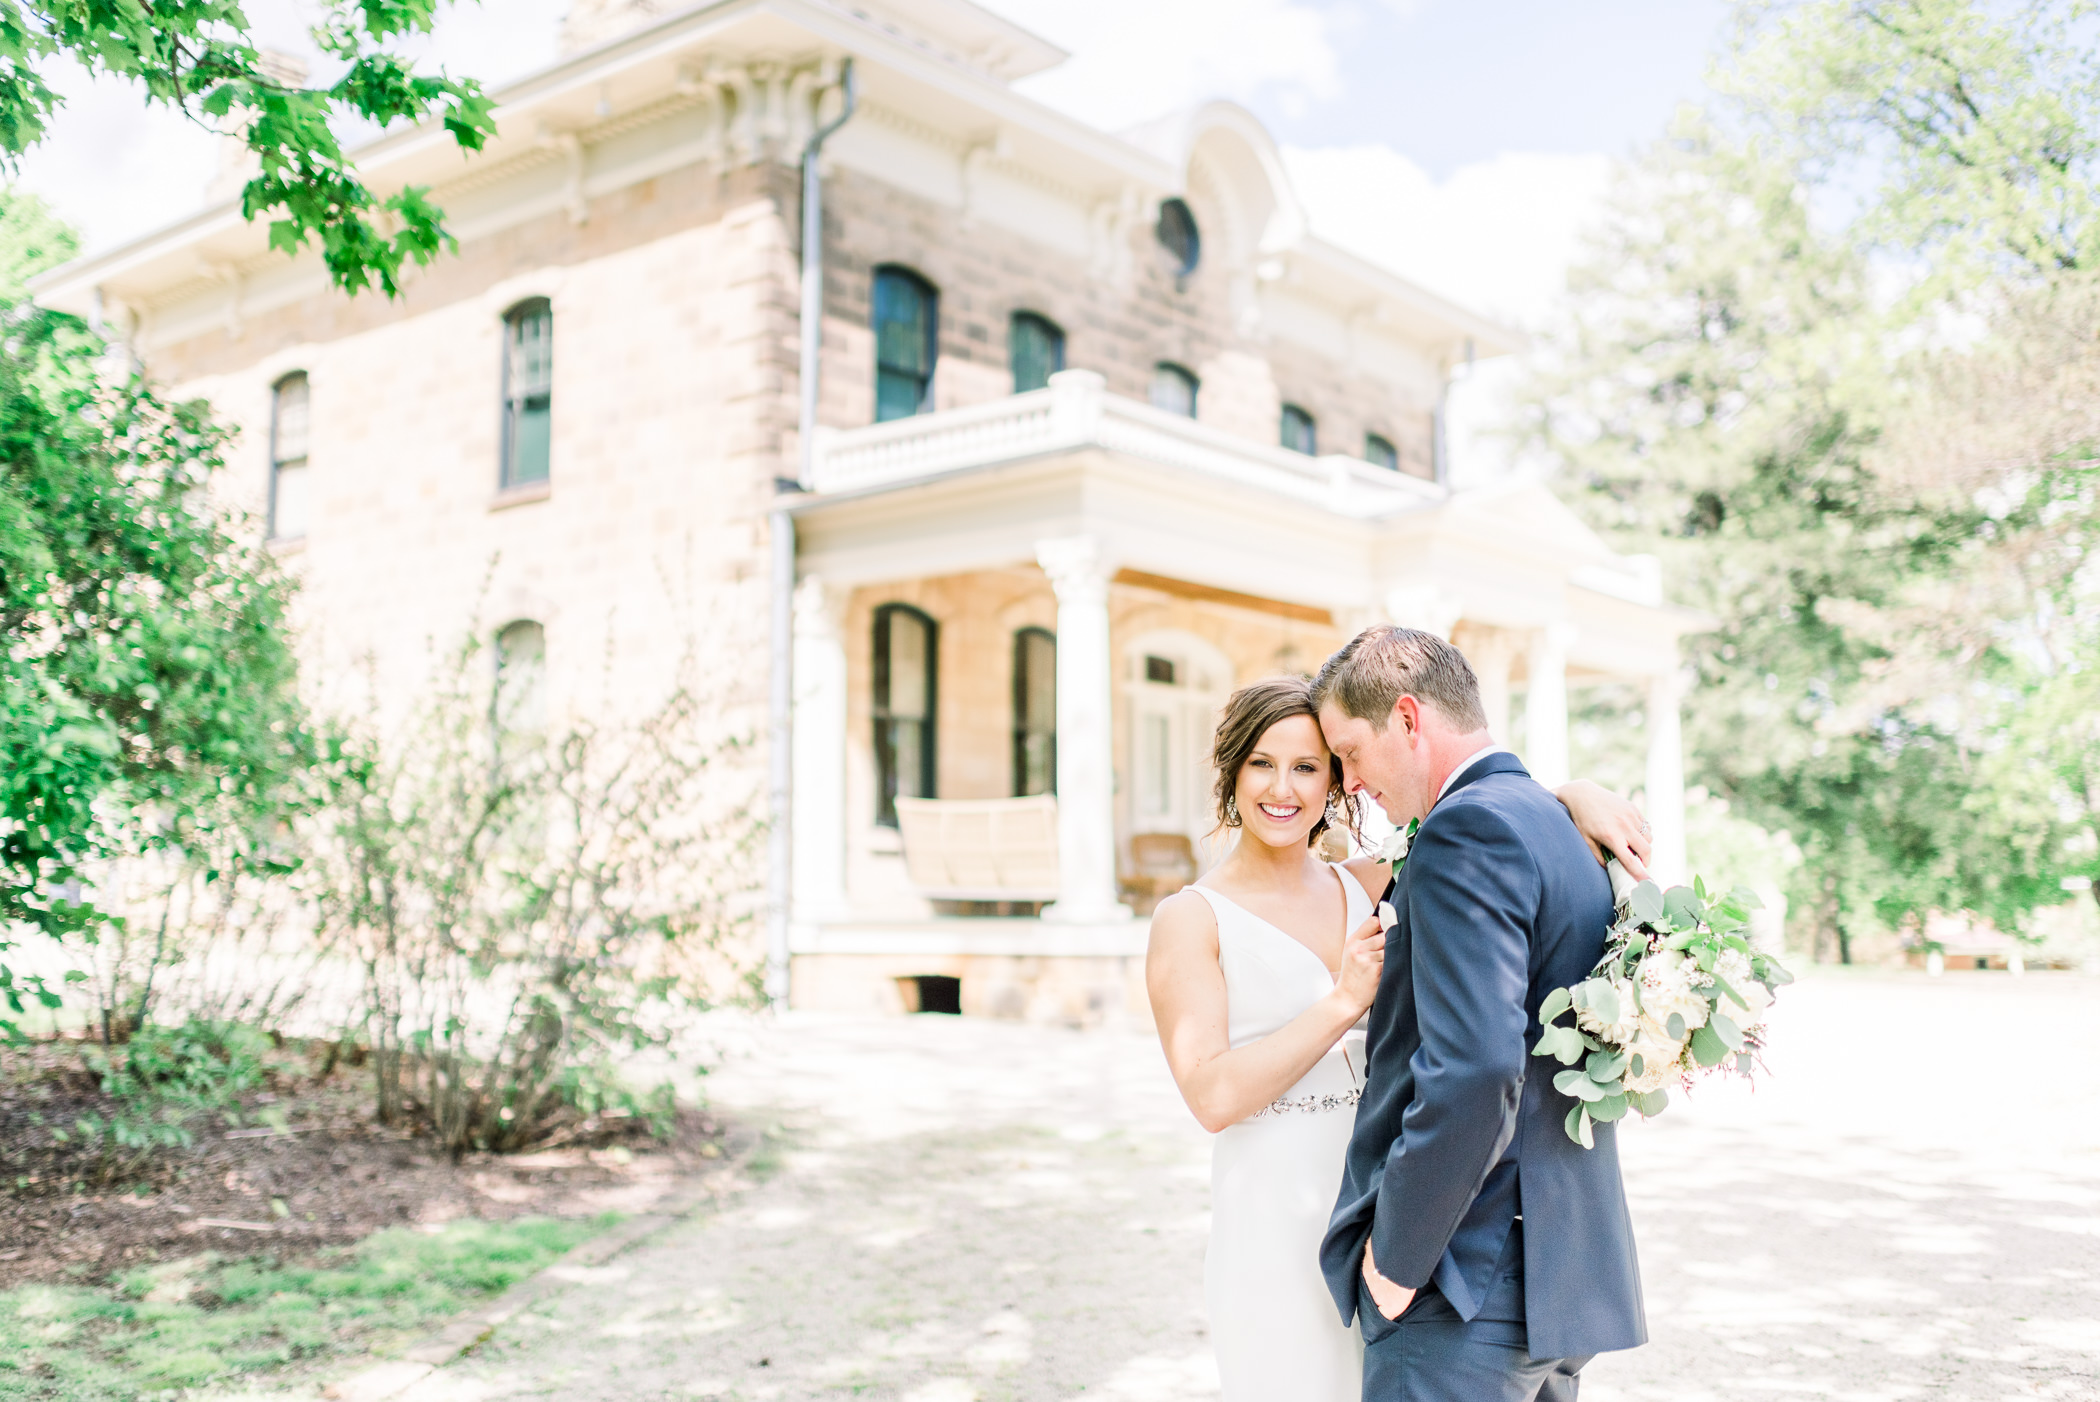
(1667, 987)
(1612, 1034)
(1660, 1054)
(1733, 968)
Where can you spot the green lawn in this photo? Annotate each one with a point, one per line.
(183, 1323)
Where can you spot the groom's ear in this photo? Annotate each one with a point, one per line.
(1407, 714)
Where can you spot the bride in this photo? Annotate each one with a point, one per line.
(1259, 975)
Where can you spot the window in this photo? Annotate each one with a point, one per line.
(1035, 712)
(1173, 389)
(905, 674)
(520, 702)
(1380, 452)
(528, 392)
(1037, 348)
(1300, 434)
(1177, 235)
(288, 485)
(907, 339)
(1159, 670)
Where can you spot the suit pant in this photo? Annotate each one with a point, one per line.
(1431, 1355)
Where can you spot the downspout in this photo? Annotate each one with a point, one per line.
(780, 708)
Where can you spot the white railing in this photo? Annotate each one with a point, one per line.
(1077, 412)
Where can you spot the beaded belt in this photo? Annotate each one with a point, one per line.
(1309, 1104)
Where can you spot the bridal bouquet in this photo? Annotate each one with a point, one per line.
(1678, 993)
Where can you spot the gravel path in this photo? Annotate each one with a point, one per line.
(950, 1209)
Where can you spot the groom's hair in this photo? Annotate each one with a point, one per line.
(1380, 665)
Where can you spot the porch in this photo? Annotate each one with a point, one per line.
(1053, 592)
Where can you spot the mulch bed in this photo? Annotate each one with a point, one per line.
(325, 1173)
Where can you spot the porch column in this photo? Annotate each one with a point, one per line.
(1546, 705)
(1666, 777)
(1086, 805)
(820, 752)
(1490, 652)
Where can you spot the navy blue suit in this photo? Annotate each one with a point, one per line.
(1459, 1173)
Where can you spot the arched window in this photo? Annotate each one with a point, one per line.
(520, 704)
(1036, 346)
(1173, 389)
(1178, 237)
(907, 341)
(1035, 712)
(1300, 434)
(1380, 452)
(289, 401)
(907, 645)
(528, 392)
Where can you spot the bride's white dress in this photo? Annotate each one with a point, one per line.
(1274, 1177)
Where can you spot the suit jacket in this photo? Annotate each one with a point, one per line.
(1460, 1130)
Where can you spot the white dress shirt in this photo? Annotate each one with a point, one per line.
(1467, 763)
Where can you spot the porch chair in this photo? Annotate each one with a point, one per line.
(1162, 863)
(980, 849)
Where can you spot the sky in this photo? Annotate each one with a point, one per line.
(1464, 143)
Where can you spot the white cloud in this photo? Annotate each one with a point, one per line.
(1133, 60)
(1498, 236)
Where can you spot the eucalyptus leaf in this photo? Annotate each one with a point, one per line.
(1573, 1124)
(1584, 1137)
(1611, 1107)
(1724, 1027)
(1675, 1027)
(1557, 1002)
(1646, 902)
(1681, 908)
(1652, 1102)
(1639, 1067)
(1744, 1063)
(1577, 1084)
(1603, 1000)
(1707, 1049)
(1726, 987)
(1605, 1067)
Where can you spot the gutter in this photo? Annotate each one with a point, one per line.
(780, 709)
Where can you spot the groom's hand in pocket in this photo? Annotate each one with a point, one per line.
(1392, 1300)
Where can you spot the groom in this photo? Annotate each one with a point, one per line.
(1488, 1255)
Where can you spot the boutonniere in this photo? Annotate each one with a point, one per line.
(1394, 848)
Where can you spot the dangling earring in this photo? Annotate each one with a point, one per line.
(1232, 810)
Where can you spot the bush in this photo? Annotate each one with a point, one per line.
(164, 1076)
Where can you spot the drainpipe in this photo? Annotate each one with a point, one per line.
(780, 725)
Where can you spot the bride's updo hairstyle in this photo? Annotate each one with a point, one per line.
(1247, 717)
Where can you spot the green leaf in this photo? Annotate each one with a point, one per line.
(1708, 1049)
(1640, 1066)
(1652, 1102)
(1605, 1067)
(1675, 1027)
(1724, 986)
(1557, 1002)
(1645, 901)
(1681, 908)
(1699, 887)
(1724, 1027)
(1603, 999)
(75, 976)
(1578, 1085)
(1584, 1136)
(1574, 1125)
(1611, 1107)
(1744, 1063)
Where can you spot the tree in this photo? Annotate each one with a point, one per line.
(194, 55)
(146, 685)
(1833, 358)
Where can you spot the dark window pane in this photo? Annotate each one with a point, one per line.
(906, 649)
(1177, 234)
(288, 472)
(1379, 452)
(906, 339)
(1159, 669)
(1174, 390)
(528, 393)
(1037, 349)
(1035, 712)
(1299, 434)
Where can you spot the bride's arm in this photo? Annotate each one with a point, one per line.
(1609, 823)
(1222, 1084)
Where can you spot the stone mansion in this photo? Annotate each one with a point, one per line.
(1102, 432)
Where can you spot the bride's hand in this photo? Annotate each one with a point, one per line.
(1611, 825)
(1363, 960)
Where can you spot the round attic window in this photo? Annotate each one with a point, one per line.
(1177, 234)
